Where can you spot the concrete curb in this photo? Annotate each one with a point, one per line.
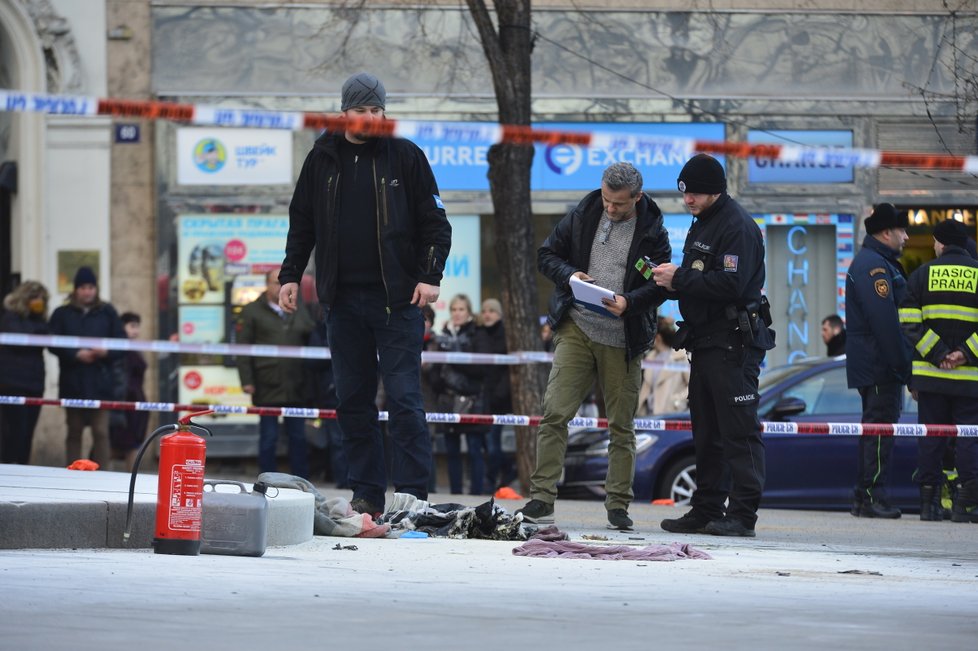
(47, 508)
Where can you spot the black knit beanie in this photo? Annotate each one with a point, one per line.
(85, 276)
(951, 232)
(702, 174)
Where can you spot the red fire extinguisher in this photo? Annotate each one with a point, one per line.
(181, 487)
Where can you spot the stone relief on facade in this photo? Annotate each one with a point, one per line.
(64, 69)
(789, 56)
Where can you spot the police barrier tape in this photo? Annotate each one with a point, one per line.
(15, 101)
(263, 350)
(641, 424)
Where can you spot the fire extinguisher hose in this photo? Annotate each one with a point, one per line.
(135, 468)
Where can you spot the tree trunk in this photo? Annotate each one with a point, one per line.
(508, 50)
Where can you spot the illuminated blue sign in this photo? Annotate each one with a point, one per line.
(764, 170)
(465, 165)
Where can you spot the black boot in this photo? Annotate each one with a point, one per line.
(966, 505)
(930, 503)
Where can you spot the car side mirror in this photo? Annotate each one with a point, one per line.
(788, 406)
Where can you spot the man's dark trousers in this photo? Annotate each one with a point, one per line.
(360, 330)
(726, 431)
(943, 409)
(882, 403)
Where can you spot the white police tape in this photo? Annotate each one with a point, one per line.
(264, 350)
(51, 104)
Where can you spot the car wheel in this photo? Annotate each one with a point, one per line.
(679, 481)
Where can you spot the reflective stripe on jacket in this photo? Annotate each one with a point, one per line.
(939, 315)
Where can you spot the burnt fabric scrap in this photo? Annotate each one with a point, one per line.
(566, 549)
(550, 532)
(488, 521)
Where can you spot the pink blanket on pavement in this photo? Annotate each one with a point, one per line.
(568, 549)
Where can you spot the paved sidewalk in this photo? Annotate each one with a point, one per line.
(810, 580)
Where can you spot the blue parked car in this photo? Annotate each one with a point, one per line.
(804, 471)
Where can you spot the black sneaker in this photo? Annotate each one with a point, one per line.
(618, 519)
(537, 512)
(689, 523)
(730, 527)
(361, 505)
(878, 510)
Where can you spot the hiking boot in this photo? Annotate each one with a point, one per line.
(879, 509)
(618, 519)
(689, 523)
(966, 503)
(361, 505)
(730, 527)
(537, 512)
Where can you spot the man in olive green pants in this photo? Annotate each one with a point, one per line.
(612, 238)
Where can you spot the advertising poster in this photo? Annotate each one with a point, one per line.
(68, 264)
(222, 262)
(201, 324)
(463, 269)
(214, 385)
(213, 249)
(216, 156)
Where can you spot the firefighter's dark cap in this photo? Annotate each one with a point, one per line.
(951, 232)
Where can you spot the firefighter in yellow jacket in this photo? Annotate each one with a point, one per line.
(939, 316)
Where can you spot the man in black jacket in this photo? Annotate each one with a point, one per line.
(834, 335)
(370, 207)
(612, 238)
(87, 373)
(726, 332)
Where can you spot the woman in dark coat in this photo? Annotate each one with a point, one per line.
(460, 389)
(499, 468)
(127, 429)
(25, 311)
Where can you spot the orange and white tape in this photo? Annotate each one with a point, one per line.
(641, 424)
(14, 101)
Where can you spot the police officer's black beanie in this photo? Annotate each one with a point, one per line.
(885, 216)
(363, 89)
(951, 232)
(702, 174)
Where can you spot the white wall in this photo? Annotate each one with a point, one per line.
(76, 187)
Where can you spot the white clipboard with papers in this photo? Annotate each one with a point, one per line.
(589, 295)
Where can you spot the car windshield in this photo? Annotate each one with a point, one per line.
(772, 376)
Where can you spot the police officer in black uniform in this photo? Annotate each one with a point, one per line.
(877, 355)
(939, 316)
(725, 329)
